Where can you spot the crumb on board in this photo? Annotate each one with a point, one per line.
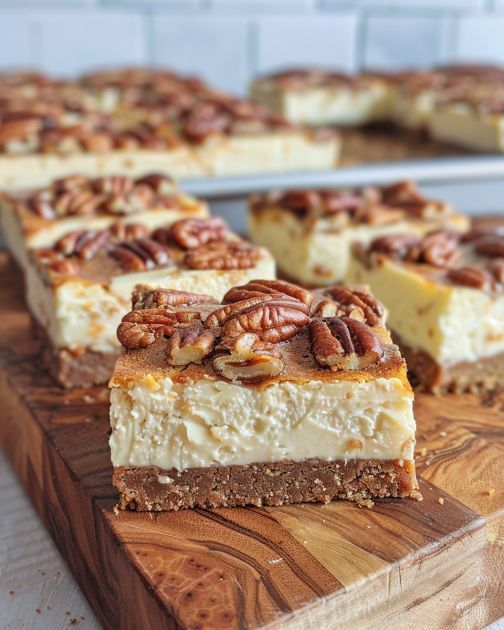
(443, 433)
(441, 500)
(490, 492)
(74, 621)
(12, 592)
(38, 611)
(115, 509)
(422, 452)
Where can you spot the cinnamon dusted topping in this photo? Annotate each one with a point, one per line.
(143, 297)
(223, 256)
(357, 303)
(342, 343)
(141, 328)
(79, 195)
(141, 254)
(189, 345)
(370, 205)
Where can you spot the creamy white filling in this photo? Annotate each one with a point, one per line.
(317, 257)
(461, 126)
(207, 423)
(78, 314)
(449, 323)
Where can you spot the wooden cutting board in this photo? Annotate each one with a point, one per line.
(406, 564)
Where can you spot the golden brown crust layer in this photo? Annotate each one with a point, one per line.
(278, 483)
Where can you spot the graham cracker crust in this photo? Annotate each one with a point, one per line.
(74, 369)
(314, 480)
(477, 377)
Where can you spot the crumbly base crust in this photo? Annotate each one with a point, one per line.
(153, 489)
(483, 375)
(74, 369)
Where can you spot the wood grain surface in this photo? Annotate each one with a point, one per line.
(431, 564)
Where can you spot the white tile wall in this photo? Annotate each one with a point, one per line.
(328, 40)
(393, 42)
(230, 40)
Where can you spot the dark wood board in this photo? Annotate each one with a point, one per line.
(431, 564)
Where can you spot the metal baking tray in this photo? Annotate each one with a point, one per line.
(439, 170)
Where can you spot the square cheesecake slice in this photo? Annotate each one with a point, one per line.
(310, 232)
(321, 97)
(78, 290)
(36, 219)
(445, 295)
(274, 396)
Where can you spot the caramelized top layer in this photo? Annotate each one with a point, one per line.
(263, 332)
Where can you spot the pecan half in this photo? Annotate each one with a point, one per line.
(189, 345)
(342, 343)
(140, 329)
(394, 245)
(115, 185)
(356, 303)
(276, 288)
(472, 276)
(221, 315)
(223, 256)
(78, 201)
(249, 359)
(128, 231)
(440, 249)
(144, 297)
(496, 268)
(160, 184)
(192, 233)
(82, 243)
(272, 321)
(490, 245)
(140, 254)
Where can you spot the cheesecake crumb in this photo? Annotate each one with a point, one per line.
(422, 452)
(115, 509)
(443, 433)
(441, 500)
(490, 492)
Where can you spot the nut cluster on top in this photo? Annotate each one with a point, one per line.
(370, 205)
(475, 259)
(244, 335)
(78, 195)
(190, 243)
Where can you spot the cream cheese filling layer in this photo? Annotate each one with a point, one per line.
(83, 315)
(451, 324)
(215, 423)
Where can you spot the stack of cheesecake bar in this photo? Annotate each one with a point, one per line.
(459, 104)
(230, 386)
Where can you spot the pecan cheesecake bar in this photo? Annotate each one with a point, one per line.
(273, 396)
(78, 289)
(38, 218)
(321, 97)
(310, 232)
(150, 121)
(445, 296)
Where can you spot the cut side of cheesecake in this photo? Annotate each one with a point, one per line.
(79, 289)
(35, 219)
(321, 97)
(274, 396)
(310, 232)
(444, 293)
